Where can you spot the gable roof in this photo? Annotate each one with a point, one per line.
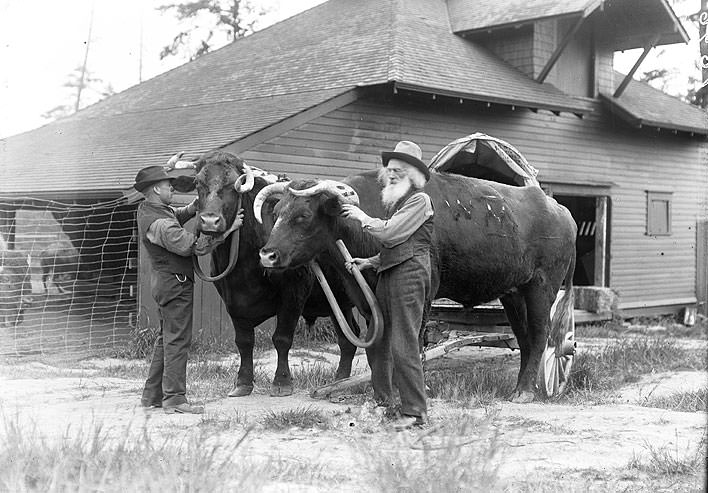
(260, 80)
(263, 79)
(630, 22)
(642, 105)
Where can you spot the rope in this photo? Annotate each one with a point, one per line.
(233, 254)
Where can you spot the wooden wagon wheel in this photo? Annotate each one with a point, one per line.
(556, 362)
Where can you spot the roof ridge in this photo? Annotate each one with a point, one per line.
(394, 58)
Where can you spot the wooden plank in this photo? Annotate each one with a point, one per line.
(702, 266)
(602, 260)
(428, 355)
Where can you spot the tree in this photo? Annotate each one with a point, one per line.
(211, 24)
(82, 83)
(661, 78)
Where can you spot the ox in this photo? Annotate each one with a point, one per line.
(491, 241)
(15, 287)
(252, 294)
(60, 265)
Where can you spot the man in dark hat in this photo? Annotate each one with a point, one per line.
(403, 286)
(170, 247)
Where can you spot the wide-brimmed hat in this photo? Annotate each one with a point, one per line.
(153, 174)
(408, 152)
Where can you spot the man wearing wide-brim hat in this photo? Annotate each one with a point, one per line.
(170, 248)
(404, 284)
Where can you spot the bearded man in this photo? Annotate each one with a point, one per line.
(403, 286)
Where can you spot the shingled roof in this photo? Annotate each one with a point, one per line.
(641, 105)
(261, 80)
(474, 15)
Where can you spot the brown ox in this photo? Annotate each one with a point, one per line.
(491, 241)
(252, 294)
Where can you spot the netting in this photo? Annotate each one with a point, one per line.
(68, 275)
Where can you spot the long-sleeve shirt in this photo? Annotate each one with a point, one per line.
(172, 236)
(404, 222)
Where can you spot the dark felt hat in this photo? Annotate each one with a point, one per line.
(408, 152)
(153, 174)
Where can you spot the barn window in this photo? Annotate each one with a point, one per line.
(658, 213)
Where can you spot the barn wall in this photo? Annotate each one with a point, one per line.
(645, 270)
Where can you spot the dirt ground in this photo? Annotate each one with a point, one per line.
(567, 445)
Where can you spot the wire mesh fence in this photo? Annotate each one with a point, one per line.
(68, 275)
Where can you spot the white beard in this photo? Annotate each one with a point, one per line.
(392, 193)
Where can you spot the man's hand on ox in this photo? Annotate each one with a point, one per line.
(238, 222)
(358, 263)
(353, 212)
(192, 207)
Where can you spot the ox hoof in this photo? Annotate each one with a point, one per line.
(281, 390)
(241, 390)
(522, 397)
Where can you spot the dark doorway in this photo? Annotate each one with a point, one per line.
(583, 210)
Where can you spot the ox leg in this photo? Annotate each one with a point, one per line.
(244, 339)
(515, 309)
(283, 340)
(347, 350)
(538, 307)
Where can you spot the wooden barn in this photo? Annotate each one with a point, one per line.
(322, 93)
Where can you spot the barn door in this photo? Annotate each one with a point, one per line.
(591, 214)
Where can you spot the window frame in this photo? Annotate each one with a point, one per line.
(658, 196)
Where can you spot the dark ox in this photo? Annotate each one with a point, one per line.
(60, 265)
(15, 287)
(491, 241)
(251, 294)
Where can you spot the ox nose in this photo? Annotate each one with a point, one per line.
(269, 257)
(210, 222)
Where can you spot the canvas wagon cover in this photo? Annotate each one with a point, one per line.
(481, 156)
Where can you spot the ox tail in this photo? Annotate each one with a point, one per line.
(562, 316)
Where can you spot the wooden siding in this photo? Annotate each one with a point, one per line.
(514, 46)
(643, 269)
(573, 72)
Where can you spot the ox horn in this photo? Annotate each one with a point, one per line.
(344, 191)
(247, 175)
(267, 191)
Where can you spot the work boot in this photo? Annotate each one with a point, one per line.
(406, 422)
(184, 408)
(148, 405)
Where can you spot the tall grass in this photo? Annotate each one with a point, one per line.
(459, 456)
(92, 461)
(686, 401)
(475, 385)
(623, 361)
(665, 460)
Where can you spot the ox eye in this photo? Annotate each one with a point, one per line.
(301, 219)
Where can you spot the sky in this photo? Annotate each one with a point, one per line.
(43, 41)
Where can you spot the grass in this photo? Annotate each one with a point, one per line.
(93, 461)
(689, 401)
(461, 455)
(301, 417)
(623, 361)
(475, 386)
(666, 461)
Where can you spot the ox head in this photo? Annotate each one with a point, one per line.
(306, 216)
(219, 179)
